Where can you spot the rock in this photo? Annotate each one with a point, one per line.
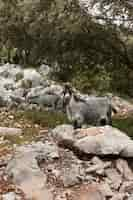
(98, 168)
(9, 196)
(124, 169)
(105, 190)
(64, 134)
(54, 88)
(48, 100)
(4, 96)
(26, 174)
(7, 83)
(124, 107)
(114, 176)
(107, 141)
(19, 92)
(50, 152)
(127, 186)
(35, 92)
(130, 197)
(5, 131)
(33, 76)
(119, 196)
(88, 192)
(44, 70)
(97, 161)
(17, 99)
(11, 71)
(71, 176)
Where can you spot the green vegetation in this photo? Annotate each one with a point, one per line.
(79, 48)
(124, 124)
(45, 119)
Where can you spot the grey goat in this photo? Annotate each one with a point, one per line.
(95, 111)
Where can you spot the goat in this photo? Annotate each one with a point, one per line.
(95, 111)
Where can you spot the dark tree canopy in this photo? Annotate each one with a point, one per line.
(82, 37)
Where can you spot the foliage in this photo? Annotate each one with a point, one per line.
(43, 118)
(124, 124)
(72, 39)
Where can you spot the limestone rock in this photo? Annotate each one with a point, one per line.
(5, 131)
(24, 170)
(124, 169)
(64, 134)
(106, 141)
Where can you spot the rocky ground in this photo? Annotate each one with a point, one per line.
(93, 163)
(40, 162)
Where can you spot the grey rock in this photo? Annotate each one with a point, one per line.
(44, 70)
(130, 197)
(7, 83)
(114, 176)
(105, 190)
(71, 176)
(48, 100)
(127, 187)
(26, 174)
(119, 196)
(98, 168)
(33, 76)
(9, 196)
(11, 71)
(50, 152)
(17, 99)
(5, 131)
(64, 134)
(35, 91)
(54, 88)
(106, 141)
(124, 169)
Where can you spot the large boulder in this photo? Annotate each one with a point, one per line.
(104, 141)
(32, 76)
(64, 134)
(44, 70)
(4, 96)
(25, 172)
(14, 72)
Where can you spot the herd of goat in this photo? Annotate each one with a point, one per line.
(95, 111)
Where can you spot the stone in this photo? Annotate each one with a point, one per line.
(105, 190)
(130, 197)
(87, 192)
(64, 134)
(98, 167)
(124, 169)
(9, 196)
(33, 76)
(50, 152)
(127, 186)
(5, 131)
(44, 70)
(119, 196)
(35, 91)
(71, 176)
(26, 174)
(114, 176)
(107, 141)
